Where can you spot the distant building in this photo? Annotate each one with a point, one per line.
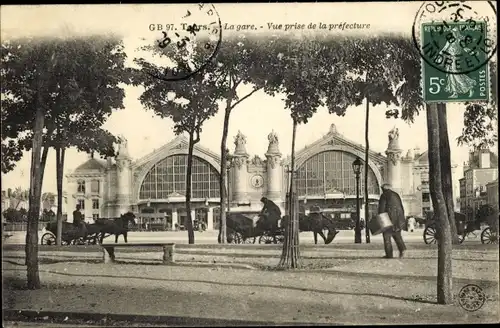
(481, 169)
(154, 186)
(492, 194)
(11, 200)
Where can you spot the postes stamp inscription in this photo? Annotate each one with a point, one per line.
(471, 297)
(456, 40)
(458, 71)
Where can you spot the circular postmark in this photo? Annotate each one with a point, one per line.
(191, 44)
(471, 297)
(455, 37)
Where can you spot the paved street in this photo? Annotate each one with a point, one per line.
(351, 286)
(210, 237)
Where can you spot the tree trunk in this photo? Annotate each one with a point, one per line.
(290, 256)
(189, 219)
(222, 180)
(59, 176)
(31, 248)
(446, 176)
(444, 275)
(43, 160)
(366, 169)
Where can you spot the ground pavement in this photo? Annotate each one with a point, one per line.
(342, 284)
(210, 237)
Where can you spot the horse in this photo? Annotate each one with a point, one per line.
(316, 222)
(116, 226)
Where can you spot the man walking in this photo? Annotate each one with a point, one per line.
(79, 222)
(391, 203)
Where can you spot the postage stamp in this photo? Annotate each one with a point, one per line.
(457, 71)
(456, 41)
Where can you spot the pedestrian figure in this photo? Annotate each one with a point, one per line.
(79, 222)
(391, 203)
(271, 213)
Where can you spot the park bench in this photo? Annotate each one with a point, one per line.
(108, 251)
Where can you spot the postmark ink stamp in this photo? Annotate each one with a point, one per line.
(456, 40)
(471, 297)
(192, 43)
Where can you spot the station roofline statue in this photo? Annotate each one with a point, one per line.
(122, 147)
(273, 147)
(394, 139)
(240, 141)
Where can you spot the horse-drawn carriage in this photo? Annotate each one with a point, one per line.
(87, 233)
(245, 228)
(489, 235)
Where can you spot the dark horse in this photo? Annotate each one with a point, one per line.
(116, 226)
(316, 222)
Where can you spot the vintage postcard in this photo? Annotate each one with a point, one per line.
(218, 164)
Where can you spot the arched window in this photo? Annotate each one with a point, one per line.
(169, 176)
(81, 186)
(331, 172)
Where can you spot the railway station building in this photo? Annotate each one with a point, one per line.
(153, 187)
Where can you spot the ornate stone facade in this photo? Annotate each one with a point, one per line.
(152, 187)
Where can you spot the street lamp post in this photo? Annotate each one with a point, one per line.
(228, 169)
(356, 166)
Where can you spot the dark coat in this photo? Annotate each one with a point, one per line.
(391, 203)
(271, 209)
(77, 217)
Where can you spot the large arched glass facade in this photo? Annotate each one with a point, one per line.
(331, 172)
(169, 176)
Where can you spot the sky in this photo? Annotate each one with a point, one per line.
(257, 116)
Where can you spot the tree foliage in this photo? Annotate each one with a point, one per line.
(56, 93)
(189, 103)
(242, 62)
(84, 88)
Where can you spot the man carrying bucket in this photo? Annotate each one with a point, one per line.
(391, 203)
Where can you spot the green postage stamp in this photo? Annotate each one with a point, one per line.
(455, 61)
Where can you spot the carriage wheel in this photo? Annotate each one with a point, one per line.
(235, 238)
(488, 236)
(280, 239)
(249, 240)
(430, 235)
(266, 239)
(48, 239)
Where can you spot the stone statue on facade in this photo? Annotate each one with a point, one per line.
(257, 161)
(273, 148)
(333, 129)
(240, 141)
(273, 138)
(394, 138)
(122, 146)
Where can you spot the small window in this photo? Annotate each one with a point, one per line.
(95, 204)
(95, 186)
(425, 197)
(81, 186)
(95, 216)
(81, 202)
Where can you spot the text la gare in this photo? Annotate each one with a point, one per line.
(239, 27)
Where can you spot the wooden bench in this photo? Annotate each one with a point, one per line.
(108, 251)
